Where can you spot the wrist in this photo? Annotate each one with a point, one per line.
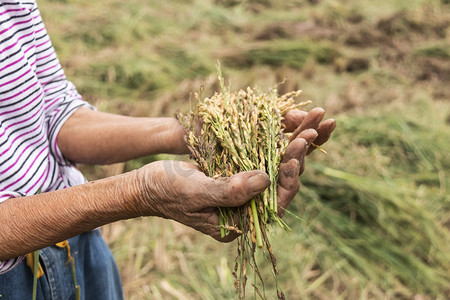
(130, 188)
(147, 190)
(177, 137)
(165, 135)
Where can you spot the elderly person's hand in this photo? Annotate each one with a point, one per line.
(179, 191)
(307, 128)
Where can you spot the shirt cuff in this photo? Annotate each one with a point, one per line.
(56, 120)
(9, 264)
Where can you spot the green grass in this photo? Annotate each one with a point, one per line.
(376, 209)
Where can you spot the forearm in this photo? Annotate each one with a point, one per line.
(101, 138)
(38, 221)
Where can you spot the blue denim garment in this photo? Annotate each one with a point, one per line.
(96, 273)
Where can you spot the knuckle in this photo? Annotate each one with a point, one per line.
(294, 186)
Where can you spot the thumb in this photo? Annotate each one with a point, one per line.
(236, 190)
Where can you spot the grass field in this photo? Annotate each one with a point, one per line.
(375, 210)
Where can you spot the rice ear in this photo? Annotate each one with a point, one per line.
(243, 131)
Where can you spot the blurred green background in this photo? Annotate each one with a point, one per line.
(375, 210)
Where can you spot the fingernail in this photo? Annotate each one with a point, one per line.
(333, 125)
(258, 183)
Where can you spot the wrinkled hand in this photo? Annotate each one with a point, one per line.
(181, 192)
(307, 128)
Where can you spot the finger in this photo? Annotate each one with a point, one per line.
(293, 119)
(298, 147)
(211, 226)
(236, 190)
(232, 227)
(312, 120)
(324, 132)
(288, 184)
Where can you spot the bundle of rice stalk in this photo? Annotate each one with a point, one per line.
(243, 131)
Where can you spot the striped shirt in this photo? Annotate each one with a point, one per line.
(35, 100)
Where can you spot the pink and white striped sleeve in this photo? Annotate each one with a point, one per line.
(7, 265)
(61, 98)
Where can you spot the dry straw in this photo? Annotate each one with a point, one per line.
(243, 131)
